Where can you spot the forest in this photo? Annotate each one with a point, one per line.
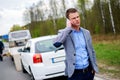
(98, 16)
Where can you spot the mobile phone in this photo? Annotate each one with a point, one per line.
(68, 23)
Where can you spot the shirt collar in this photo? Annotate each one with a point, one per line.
(76, 30)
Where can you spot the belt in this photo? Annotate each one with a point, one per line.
(82, 70)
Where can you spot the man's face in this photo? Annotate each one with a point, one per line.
(74, 19)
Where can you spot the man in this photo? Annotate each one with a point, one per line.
(80, 55)
(1, 50)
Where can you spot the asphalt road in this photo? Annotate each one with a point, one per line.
(8, 71)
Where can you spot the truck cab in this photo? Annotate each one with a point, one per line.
(17, 40)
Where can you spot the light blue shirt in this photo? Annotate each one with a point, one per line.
(81, 51)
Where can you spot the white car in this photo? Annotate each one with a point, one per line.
(41, 59)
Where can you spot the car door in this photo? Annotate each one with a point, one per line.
(26, 56)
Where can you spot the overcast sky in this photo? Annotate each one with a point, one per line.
(11, 13)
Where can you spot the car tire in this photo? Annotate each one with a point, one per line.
(23, 69)
(31, 75)
(12, 58)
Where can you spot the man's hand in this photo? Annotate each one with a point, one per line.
(68, 23)
(93, 72)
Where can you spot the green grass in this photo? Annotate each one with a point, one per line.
(108, 53)
(108, 57)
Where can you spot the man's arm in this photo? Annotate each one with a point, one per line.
(62, 34)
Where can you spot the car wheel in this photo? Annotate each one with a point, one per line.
(23, 69)
(12, 58)
(31, 74)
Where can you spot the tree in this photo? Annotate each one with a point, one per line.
(26, 17)
(54, 12)
(16, 27)
(102, 14)
(82, 5)
(40, 11)
(63, 8)
(111, 16)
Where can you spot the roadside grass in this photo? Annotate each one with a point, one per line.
(107, 50)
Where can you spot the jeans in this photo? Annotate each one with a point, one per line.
(82, 75)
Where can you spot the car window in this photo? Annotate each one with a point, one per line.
(17, 43)
(45, 46)
(27, 47)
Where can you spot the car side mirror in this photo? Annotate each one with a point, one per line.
(20, 50)
(27, 49)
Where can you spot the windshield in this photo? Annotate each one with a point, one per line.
(17, 43)
(45, 46)
(19, 35)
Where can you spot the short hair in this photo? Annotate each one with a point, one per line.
(70, 10)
